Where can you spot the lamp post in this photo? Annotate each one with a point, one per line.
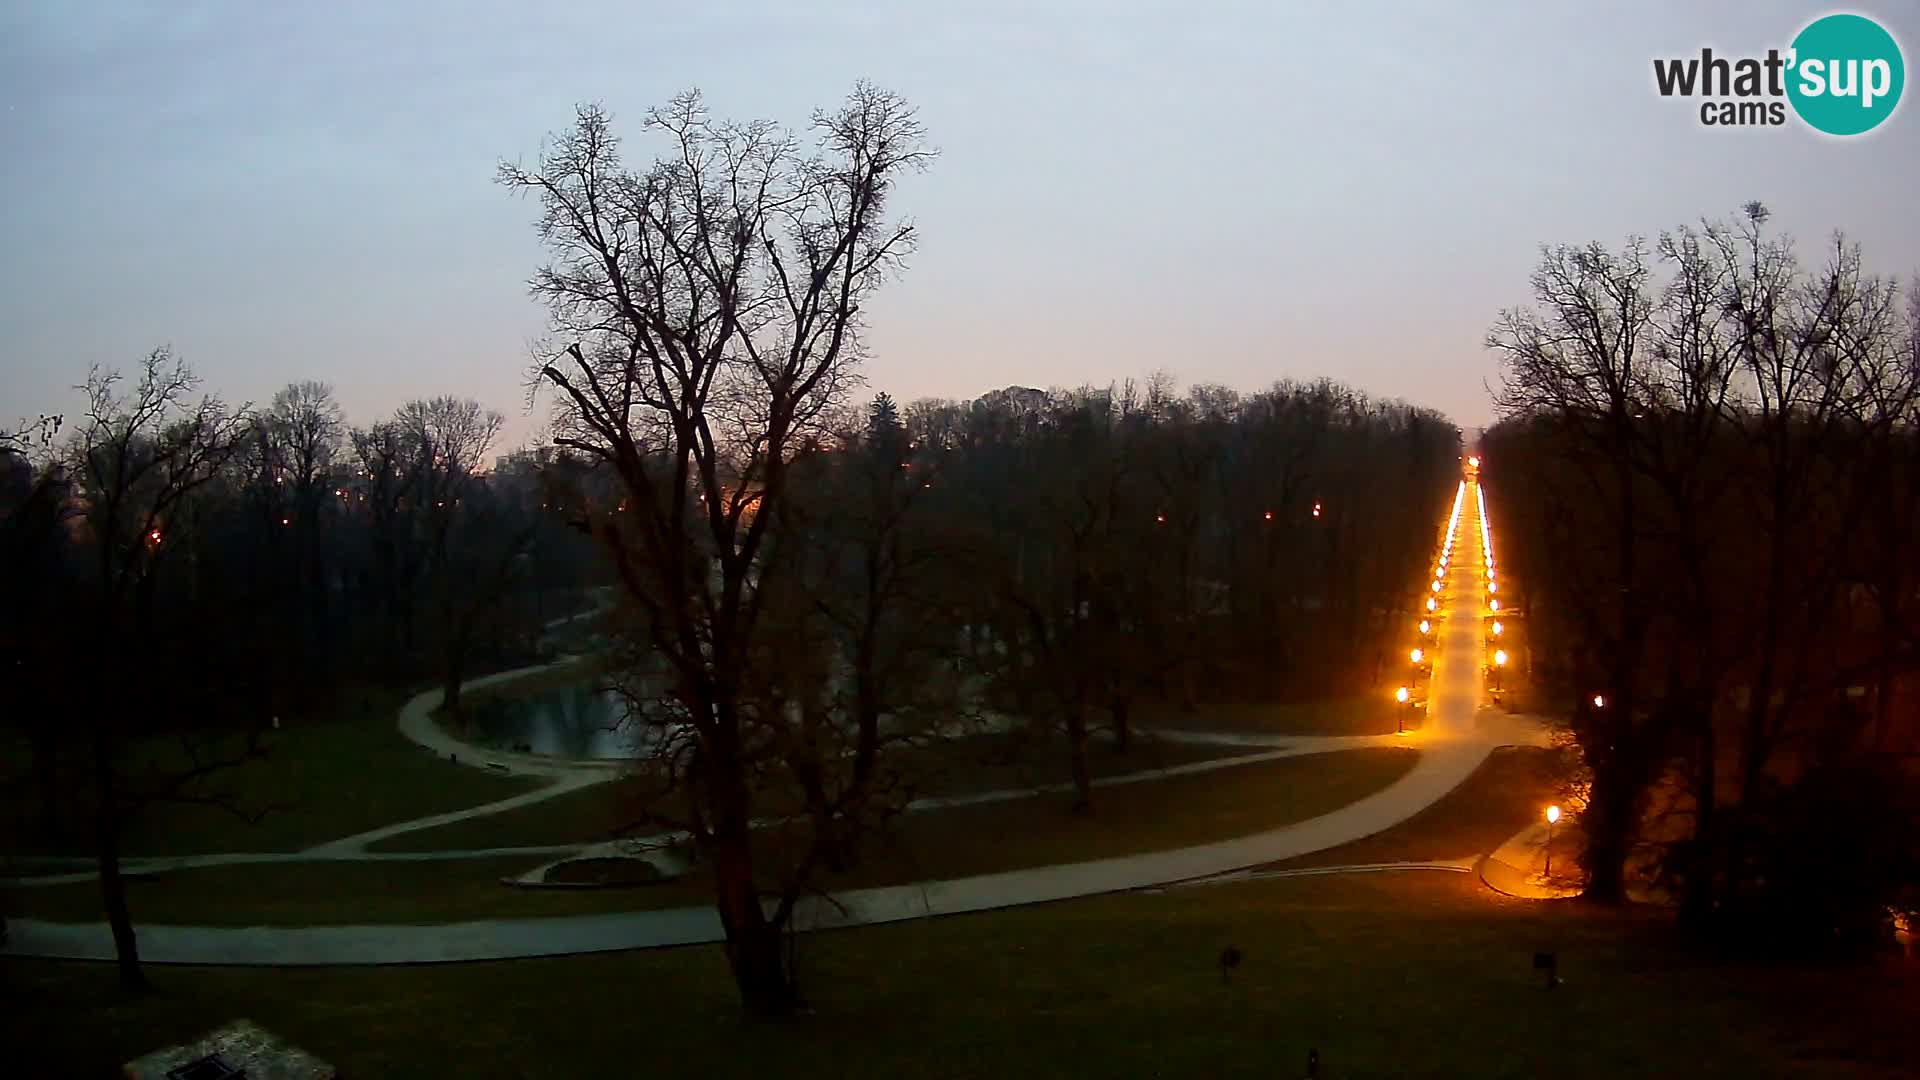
(1406, 701)
(1553, 815)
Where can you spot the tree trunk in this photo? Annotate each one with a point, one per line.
(450, 694)
(1077, 758)
(113, 890)
(1122, 726)
(47, 765)
(1609, 827)
(753, 942)
(456, 670)
(1697, 904)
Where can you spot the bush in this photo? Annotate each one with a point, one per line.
(1824, 864)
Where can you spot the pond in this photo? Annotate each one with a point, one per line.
(564, 721)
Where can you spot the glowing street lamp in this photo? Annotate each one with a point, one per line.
(1405, 698)
(1436, 586)
(1493, 605)
(1599, 701)
(1426, 626)
(1417, 655)
(1432, 604)
(1474, 461)
(1553, 816)
(1499, 658)
(1401, 695)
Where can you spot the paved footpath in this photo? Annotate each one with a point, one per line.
(1442, 766)
(1457, 737)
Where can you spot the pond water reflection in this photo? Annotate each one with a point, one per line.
(578, 721)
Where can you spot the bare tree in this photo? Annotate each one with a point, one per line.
(390, 462)
(1709, 504)
(1579, 361)
(140, 453)
(711, 307)
(300, 436)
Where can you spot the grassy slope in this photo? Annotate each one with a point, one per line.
(1400, 975)
(595, 813)
(1038, 831)
(323, 780)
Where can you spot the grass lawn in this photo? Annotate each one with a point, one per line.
(1392, 975)
(348, 773)
(1361, 715)
(954, 842)
(595, 813)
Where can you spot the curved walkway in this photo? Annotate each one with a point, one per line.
(354, 848)
(1442, 766)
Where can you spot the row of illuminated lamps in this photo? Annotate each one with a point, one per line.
(1493, 585)
(1417, 655)
(1500, 655)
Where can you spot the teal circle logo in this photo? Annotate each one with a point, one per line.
(1846, 74)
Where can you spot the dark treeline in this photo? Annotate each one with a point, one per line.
(1139, 544)
(182, 575)
(1707, 478)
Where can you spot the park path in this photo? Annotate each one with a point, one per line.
(355, 848)
(1455, 740)
(1443, 765)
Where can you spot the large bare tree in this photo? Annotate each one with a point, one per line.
(141, 451)
(707, 311)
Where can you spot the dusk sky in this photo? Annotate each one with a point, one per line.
(1234, 194)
